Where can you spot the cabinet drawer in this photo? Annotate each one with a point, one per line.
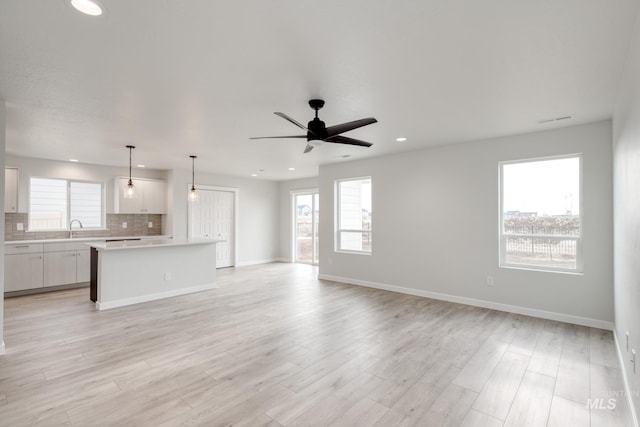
(17, 248)
(65, 246)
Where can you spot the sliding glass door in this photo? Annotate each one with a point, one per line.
(305, 226)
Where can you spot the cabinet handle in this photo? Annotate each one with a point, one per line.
(21, 246)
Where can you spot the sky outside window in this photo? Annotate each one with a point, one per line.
(546, 187)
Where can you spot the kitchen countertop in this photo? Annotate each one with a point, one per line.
(141, 244)
(84, 239)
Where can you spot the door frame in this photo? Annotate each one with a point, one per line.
(236, 227)
(292, 222)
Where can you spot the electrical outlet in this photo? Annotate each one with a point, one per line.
(150, 224)
(490, 281)
(20, 226)
(167, 276)
(124, 225)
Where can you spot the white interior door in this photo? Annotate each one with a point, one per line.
(212, 216)
(223, 202)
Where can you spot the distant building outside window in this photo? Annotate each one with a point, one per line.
(540, 214)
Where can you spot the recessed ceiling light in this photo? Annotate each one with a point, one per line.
(292, 169)
(73, 160)
(141, 166)
(401, 139)
(254, 174)
(88, 7)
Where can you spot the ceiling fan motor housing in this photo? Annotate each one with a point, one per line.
(317, 130)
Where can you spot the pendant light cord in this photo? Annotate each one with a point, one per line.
(193, 173)
(130, 147)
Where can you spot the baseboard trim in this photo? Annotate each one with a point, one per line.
(550, 315)
(257, 262)
(46, 289)
(152, 297)
(627, 389)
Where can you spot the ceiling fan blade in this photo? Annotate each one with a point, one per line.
(272, 137)
(289, 119)
(346, 140)
(308, 148)
(345, 127)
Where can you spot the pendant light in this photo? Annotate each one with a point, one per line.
(193, 195)
(130, 191)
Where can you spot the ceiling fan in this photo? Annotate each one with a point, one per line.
(318, 132)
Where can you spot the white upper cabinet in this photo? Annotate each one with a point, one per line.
(123, 205)
(151, 196)
(154, 197)
(10, 190)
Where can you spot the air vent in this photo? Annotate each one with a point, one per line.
(555, 119)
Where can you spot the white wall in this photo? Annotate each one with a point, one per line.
(28, 167)
(286, 228)
(258, 237)
(435, 225)
(626, 184)
(2, 160)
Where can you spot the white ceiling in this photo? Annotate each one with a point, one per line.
(181, 77)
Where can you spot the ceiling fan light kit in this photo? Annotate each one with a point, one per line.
(318, 133)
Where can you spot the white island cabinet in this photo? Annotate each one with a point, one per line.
(131, 272)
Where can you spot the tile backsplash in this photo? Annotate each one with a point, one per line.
(137, 225)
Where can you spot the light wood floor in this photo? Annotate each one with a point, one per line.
(275, 346)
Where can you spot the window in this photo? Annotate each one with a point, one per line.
(55, 202)
(353, 211)
(540, 221)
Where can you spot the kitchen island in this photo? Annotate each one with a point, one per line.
(135, 271)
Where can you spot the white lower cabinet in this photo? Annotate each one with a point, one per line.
(59, 268)
(30, 266)
(23, 271)
(66, 263)
(83, 266)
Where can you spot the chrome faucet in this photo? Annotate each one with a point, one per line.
(70, 224)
